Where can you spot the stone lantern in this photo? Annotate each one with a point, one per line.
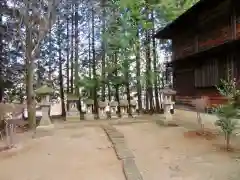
(168, 102)
(44, 92)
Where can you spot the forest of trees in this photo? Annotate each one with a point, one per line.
(106, 48)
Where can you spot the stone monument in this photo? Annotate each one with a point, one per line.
(123, 108)
(168, 102)
(133, 106)
(89, 113)
(45, 126)
(72, 112)
(102, 113)
(113, 108)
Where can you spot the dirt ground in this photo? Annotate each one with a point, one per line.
(164, 153)
(84, 153)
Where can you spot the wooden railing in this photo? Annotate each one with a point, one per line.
(213, 101)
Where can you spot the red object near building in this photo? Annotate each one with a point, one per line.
(205, 49)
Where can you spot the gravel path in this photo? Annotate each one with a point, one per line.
(73, 154)
(164, 153)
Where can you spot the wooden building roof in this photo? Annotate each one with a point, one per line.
(189, 17)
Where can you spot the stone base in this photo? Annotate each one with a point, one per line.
(73, 113)
(89, 116)
(102, 117)
(42, 131)
(168, 117)
(124, 115)
(72, 116)
(114, 116)
(135, 114)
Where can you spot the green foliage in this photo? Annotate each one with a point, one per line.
(228, 113)
(229, 89)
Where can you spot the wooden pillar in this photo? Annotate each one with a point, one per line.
(234, 19)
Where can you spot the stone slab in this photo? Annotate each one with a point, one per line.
(69, 118)
(130, 170)
(117, 140)
(42, 131)
(122, 151)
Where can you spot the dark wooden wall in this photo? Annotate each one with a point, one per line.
(199, 75)
(199, 62)
(237, 11)
(212, 27)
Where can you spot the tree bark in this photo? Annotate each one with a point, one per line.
(138, 73)
(61, 73)
(68, 61)
(72, 49)
(149, 89)
(103, 51)
(155, 67)
(115, 60)
(94, 68)
(31, 105)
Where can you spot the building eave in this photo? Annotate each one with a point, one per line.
(187, 17)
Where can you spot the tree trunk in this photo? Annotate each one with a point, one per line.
(94, 68)
(49, 56)
(103, 50)
(155, 67)
(31, 105)
(227, 136)
(138, 73)
(72, 48)
(128, 97)
(117, 85)
(76, 65)
(1, 60)
(68, 61)
(126, 74)
(118, 100)
(89, 59)
(60, 72)
(149, 89)
(109, 92)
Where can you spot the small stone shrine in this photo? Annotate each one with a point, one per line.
(113, 106)
(168, 102)
(123, 108)
(89, 110)
(102, 113)
(45, 125)
(72, 112)
(133, 106)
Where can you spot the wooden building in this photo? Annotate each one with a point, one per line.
(205, 48)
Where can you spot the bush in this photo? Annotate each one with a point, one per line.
(228, 113)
